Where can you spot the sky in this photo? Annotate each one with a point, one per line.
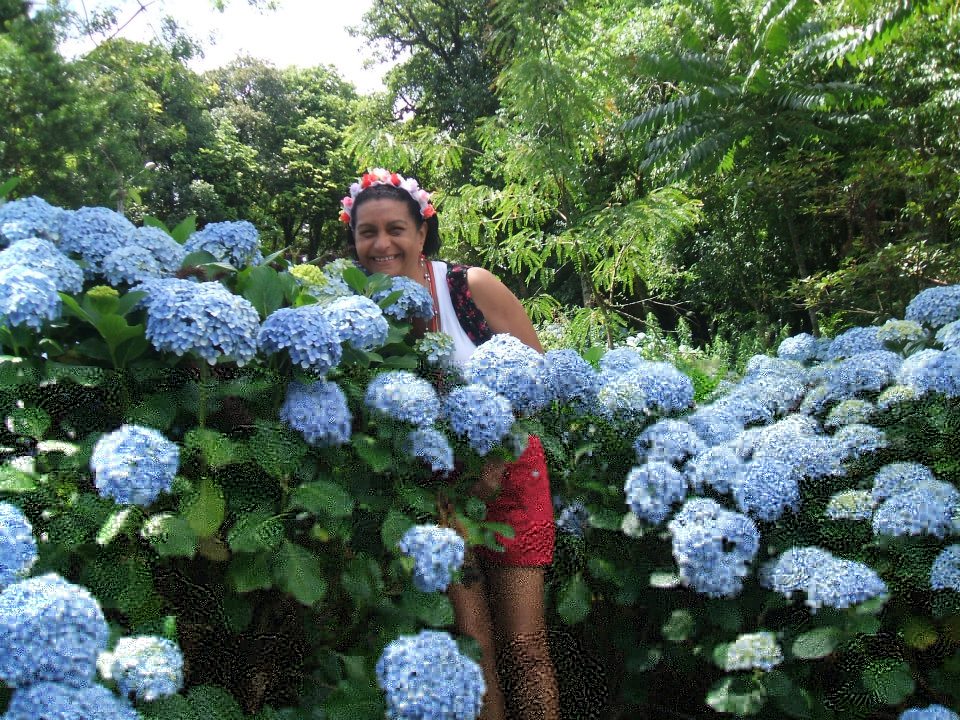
(300, 32)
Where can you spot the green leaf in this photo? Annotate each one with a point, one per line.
(395, 524)
(679, 626)
(277, 449)
(434, 609)
(606, 519)
(112, 527)
(792, 699)
(737, 695)
(264, 290)
(15, 481)
(322, 496)
(8, 186)
(299, 572)
(355, 278)
(377, 456)
(30, 421)
(402, 362)
(151, 221)
(204, 508)
(157, 411)
(573, 604)
(186, 228)
(891, 684)
(215, 448)
(255, 531)
(170, 535)
(363, 580)
(354, 700)
(476, 508)
(248, 572)
(816, 643)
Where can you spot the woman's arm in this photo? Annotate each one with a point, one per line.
(500, 307)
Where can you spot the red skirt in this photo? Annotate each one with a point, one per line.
(525, 504)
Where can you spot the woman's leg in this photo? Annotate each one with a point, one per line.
(472, 617)
(516, 603)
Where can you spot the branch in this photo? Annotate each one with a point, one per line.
(143, 8)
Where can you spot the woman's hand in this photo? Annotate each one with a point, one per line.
(488, 485)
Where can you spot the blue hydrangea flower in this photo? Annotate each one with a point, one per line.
(792, 571)
(27, 297)
(234, 242)
(927, 509)
(50, 629)
(748, 404)
(651, 489)
(949, 336)
(148, 667)
(415, 302)
(869, 371)
(478, 413)
(850, 505)
(570, 378)
(437, 553)
(438, 349)
(766, 488)
(203, 318)
(425, 676)
(853, 342)
(653, 387)
(358, 321)
(318, 411)
(56, 701)
(932, 371)
(935, 306)
(945, 572)
(18, 549)
(668, 440)
(92, 233)
(431, 445)
(134, 464)
(816, 400)
(44, 257)
(718, 467)
(168, 252)
(801, 348)
(898, 333)
(794, 440)
(713, 547)
(930, 712)
(307, 335)
(714, 425)
(403, 396)
(129, 265)
(899, 477)
(617, 361)
(572, 518)
(764, 366)
(515, 370)
(827, 581)
(849, 412)
(857, 440)
(894, 395)
(29, 217)
(759, 650)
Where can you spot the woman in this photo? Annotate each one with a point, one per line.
(392, 227)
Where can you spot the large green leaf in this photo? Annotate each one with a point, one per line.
(170, 535)
(395, 524)
(737, 695)
(15, 481)
(355, 700)
(299, 572)
(816, 643)
(248, 572)
(573, 604)
(891, 683)
(322, 496)
(204, 508)
(379, 457)
(256, 531)
(264, 290)
(362, 579)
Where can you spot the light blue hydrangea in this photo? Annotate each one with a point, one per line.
(570, 378)
(617, 361)
(437, 553)
(234, 241)
(848, 412)
(945, 572)
(816, 400)
(766, 488)
(572, 518)
(801, 348)
(713, 547)
(714, 425)
(926, 509)
(853, 342)
(652, 488)
(27, 297)
(358, 321)
(850, 505)
(432, 446)
(44, 257)
(637, 393)
(56, 701)
(949, 336)
(29, 217)
(748, 404)
(796, 441)
(930, 712)
(438, 349)
(403, 396)
(318, 411)
(718, 467)
(92, 233)
(899, 477)
(668, 440)
(935, 306)
(793, 570)
(425, 676)
(134, 464)
(765, 366)
(306, 334)
(50, 629)
(129, 265)
(936, 371)
(515, 370)
(147, 667)
(168, 252)
(827, 581)
(897, 333)
(894, 395)
(869, 371)
(858, 439)
(753, 651)
(203, 318)
(414, 302)
(478, 413)
(18, 549)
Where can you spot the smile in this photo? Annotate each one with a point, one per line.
(388, 258)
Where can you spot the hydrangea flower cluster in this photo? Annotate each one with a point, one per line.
(305, 333)
(437, 553)
(432, 446)
(358, 321)
(403, 396)
(850, 505)
(930, 712)
(617, 361)
(570, 378)
(134, 464)
(130, 265)
(900, 332)
(478, 413)
(92, 233)
(44, 257)
(899, 477)
(795, 440)
(945, 572)
(56, 701)
(869, 371)
(426, 676)
(437, 347)
(515, 370)
(652, 489)
(926, 508)
(319, 284)
(146, 666)
(668, 440)
(766, 489)
(935, 306)
(713, 547)
(759, 650)
(650, 387)
(714, 424)
(849, 412)
(415, 301)
(234, 242)
(801, 348)
(168, 252)
(719, 467)
(856, 440)
(27, 297)
(852, 342)
(203, 318)
(894, 395)
(318, 411)
(949, 336)
(572, 518)
(18, 549)
(29, 217)
(930, 370)
(827, 581)
(50, 629)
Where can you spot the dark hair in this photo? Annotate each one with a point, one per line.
(390, 192)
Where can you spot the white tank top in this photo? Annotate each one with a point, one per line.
(463, 346)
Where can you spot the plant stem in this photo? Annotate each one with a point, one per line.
(202, 394)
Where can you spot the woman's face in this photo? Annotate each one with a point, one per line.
(387, 238)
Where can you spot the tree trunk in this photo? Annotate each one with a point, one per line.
(801, 266)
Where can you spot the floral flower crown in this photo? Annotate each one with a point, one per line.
(379, 176)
